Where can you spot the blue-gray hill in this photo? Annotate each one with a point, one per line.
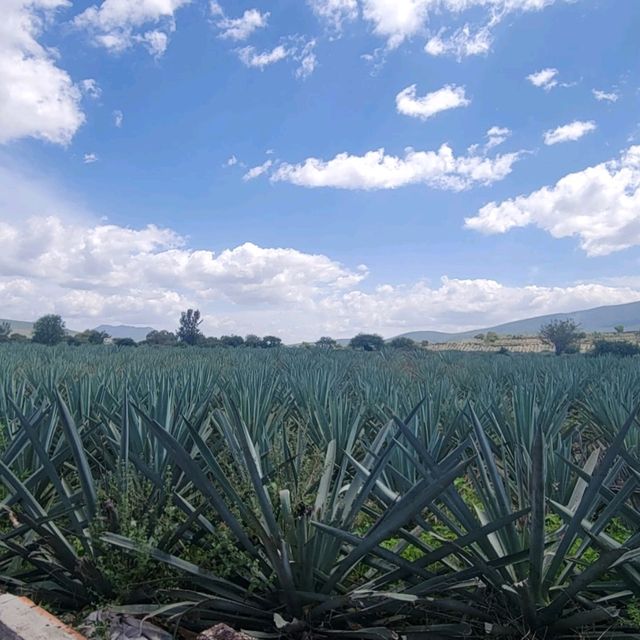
(597, 319)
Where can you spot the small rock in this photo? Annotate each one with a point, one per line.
(222, 632)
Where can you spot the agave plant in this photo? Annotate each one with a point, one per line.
(282, 493)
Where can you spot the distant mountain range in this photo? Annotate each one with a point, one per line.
(125, 331)
(598, 319)
(115, 331)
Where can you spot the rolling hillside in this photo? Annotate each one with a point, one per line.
(19, 326)
(597, 319)
(115, 331)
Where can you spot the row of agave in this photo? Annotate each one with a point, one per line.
(313, 495)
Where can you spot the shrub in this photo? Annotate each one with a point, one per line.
(125, 342)
(402, 343)
(622, 348)
(367, 342)
(326, 342)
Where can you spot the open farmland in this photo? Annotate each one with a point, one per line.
(531, 344)
(311, 494)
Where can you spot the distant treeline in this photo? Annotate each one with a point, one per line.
(563, 335)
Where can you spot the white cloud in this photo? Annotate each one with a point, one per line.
(396, 20)
(118, 25)
(91, 88)
(459, 305)
(496, 136)
(118, 118)
(376, 170)
(295, 48)
(90, 158)
(239, 29)
(156, 42)
(38, 99)
(449, 97)
(461, 44)
(600, 205)
(335, 12)
(57, 259)
(399, 20)
(231, 161)
(255, 172)
(307, 58)
(605, 96)
(545, 79)
(252, 58)
(569, 132)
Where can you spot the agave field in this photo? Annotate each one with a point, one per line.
(310, 494)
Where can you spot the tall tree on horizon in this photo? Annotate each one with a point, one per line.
(189, 329)
(49, 329)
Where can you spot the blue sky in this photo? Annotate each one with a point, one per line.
(159, 154)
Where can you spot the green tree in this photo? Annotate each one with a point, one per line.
(564, 335)
(5, 331)
(269, 342)
(367, 342)
(326, 343)
(49, 330)
(162, 338)
(402, 343)
(232, 341)
(189, 330)
(479, 336)
(619, 328)
(253, 341)
(491, 336)
(18, 337)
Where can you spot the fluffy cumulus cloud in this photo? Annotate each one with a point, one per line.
(57, 258)
(83, 270)
(459, 304)
(600, 205)
(545, 78)
(239, 28)
(423, 107)
(399, 20)
(569, 132)
(38, 98)
(118, 25)
(440, 169)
